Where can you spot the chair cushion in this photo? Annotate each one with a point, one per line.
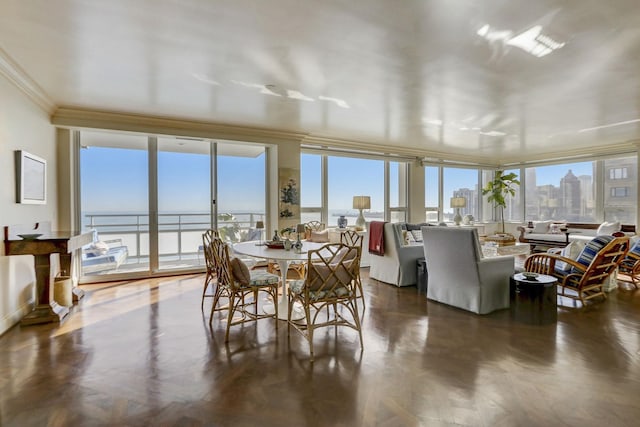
(261, 278)
(590, 250)
(240, 271)
(572, 251)
(296, 286)
(608, 228)
(319, 236)
(417, 235)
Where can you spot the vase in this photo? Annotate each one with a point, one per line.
(342, 222)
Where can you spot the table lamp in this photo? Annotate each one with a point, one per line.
(360, 203)
(457, 203)
(260, 227)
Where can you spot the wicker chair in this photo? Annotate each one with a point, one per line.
(330, 282)
(238, 285)
(629, 268)
(584, 276)
(353, 238)
(210, 277)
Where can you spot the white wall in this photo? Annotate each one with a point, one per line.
(23, 126)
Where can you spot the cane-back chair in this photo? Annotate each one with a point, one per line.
(210, 277)
(330, 283)
(582, 279)
(241, 286)
(629, 268)
(353, 238)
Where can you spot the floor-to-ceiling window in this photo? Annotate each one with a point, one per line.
(115, 202)
(348, 177)
(460, 183)
(311, 187)
(561, 192)
(621, 189)
(149, 199)
(184, 200)
(432, 194)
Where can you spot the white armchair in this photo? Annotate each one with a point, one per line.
(458, 273)
(398, 265)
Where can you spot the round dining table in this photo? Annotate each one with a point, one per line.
(283, 258)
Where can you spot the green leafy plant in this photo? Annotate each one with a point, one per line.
(499, 188)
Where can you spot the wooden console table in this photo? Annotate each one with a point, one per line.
(64, 243)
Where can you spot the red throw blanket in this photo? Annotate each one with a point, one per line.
(376, 238)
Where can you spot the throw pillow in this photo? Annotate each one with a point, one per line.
(100, 248)
(541, 227)
(417, 235)
(240, 272)
(572, 251)
(608, 228)
(319, 236)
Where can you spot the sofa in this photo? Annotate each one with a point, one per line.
(542, 235)
(398, 264)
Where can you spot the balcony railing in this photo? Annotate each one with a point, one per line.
(179, 235)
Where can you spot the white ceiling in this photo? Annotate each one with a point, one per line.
(411, 74)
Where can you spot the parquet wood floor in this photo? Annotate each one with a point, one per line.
(141, 353)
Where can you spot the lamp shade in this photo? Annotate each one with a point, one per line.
(361, 202)
(458, 202)
(260, 225)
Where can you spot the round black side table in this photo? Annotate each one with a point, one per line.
(533, 301)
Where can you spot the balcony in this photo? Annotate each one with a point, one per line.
(179, 238)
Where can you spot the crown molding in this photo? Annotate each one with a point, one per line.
(16, 75)
(94, 119)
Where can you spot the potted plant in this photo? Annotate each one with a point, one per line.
(501, 186)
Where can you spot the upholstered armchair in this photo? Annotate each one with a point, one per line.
(458, 273)
(398, 264)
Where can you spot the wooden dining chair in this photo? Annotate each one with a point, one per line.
(330, 284)
(210, 276)
(238, 284)
(353, 238)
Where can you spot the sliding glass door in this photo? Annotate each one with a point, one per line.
(184, 201)
(149, 199)
(114, 202)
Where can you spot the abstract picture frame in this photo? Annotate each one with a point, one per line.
(31, 178)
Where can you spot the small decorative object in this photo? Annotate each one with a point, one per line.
(530, 224)
(529, 275)
(342, 222)
(467, 219)
(360, 203)
(457, 203)
(276, 238)
(287, 244)
(260, 227)
(300, 229)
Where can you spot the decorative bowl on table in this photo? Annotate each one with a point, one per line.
(530, 276)
(30, 236)
(279, 244)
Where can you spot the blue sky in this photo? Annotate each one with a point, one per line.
(116, 180)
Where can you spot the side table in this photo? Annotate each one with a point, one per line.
(533, 301)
